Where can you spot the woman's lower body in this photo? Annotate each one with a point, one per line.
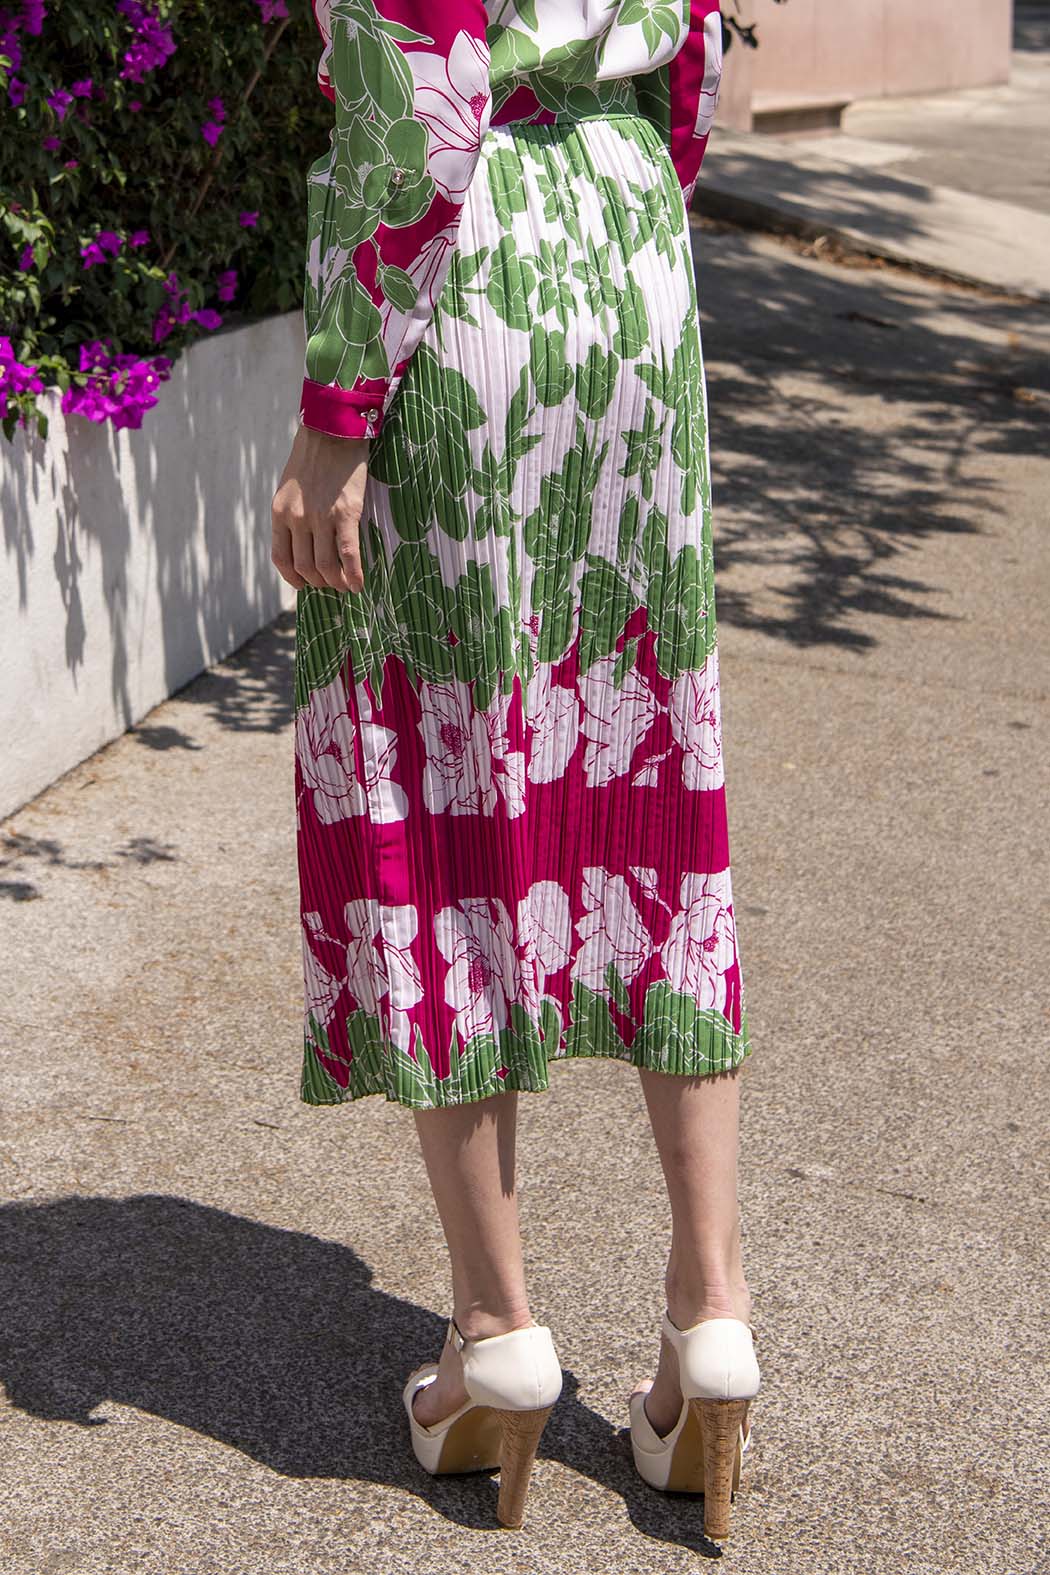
(510, 797)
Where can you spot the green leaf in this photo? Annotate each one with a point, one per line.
(617, 989)
(424, 611)
(596, 381)
(591, 1028)
(550, 1025)
(606, 602)
(506, 177)
(398, 287)
(511, 282)
(551, 372)
(317, 1086)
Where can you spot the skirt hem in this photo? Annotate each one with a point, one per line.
(528, 1076)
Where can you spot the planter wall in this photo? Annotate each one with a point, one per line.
(135, 559)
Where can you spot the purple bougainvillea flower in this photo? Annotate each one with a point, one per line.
(60, 101)
(9, 45)
(212, 129)
(177, 310)
(120, 388)
(208, 318)
(71, 164)
(51, 144)
(25, 262)
(134, 104)
(227, 284)
(249, 219)
(153, 41)
(82, 89)
(33, 13)
(138, 238)
(271, 9)
(16, 377)
(95, 251)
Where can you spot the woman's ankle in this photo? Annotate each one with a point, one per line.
(694, 1298)
(478, 1322)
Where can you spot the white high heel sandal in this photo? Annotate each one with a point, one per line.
(719, 1377)
(513, 1381)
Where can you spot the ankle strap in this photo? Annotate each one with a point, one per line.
(454, 1335)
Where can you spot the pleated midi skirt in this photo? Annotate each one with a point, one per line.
(511, 819)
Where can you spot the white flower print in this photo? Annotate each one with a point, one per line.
(324, 742)
(649, 880)
(476, 938)
(511, 780)
(611, 930)
(614, 720)
(387, 969)
(322, 988)
(696, 724)
(554, 720)
(701, 946)
(648, 774)
(544, 939)
(452, 99)
(464, 746)
(427, 272)
(325, 270)
(705, 112)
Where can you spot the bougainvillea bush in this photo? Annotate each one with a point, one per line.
(153, 161)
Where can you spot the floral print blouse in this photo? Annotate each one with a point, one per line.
(415, 85)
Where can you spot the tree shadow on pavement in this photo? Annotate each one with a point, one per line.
(251, 691)
(271, 1341)
(854, 414)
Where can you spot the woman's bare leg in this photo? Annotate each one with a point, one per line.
(469, 1153)
(695, 1122)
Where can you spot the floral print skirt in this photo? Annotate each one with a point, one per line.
(511, 818)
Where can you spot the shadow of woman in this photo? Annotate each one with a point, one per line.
(268, 1340)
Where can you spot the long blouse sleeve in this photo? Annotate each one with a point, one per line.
(409, 82)
(681, 97)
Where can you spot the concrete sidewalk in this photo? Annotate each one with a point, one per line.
(956, 183)
(210, 1295)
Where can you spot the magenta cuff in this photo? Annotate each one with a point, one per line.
(342, 412)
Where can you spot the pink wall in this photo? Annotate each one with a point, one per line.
(866, 48)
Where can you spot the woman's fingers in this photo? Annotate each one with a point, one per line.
(348, 548)
(328, 557)
(316, 512)
(303, 554)
(281, 555)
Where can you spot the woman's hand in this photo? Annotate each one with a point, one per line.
(316, 511)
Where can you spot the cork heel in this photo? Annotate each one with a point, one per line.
(520, 1433)
(719, 1377)
(720, 1423)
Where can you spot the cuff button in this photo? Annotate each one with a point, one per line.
(372, 415)
(398, 177)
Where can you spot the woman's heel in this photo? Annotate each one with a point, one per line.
(720, 1422)
(520, 1434)
(719, 1377)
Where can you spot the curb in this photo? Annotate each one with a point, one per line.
(752, 213)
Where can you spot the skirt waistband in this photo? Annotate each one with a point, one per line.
(550, 102)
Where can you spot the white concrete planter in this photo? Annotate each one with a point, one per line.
(135, 559)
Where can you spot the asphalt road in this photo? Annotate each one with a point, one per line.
(211, 1294)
